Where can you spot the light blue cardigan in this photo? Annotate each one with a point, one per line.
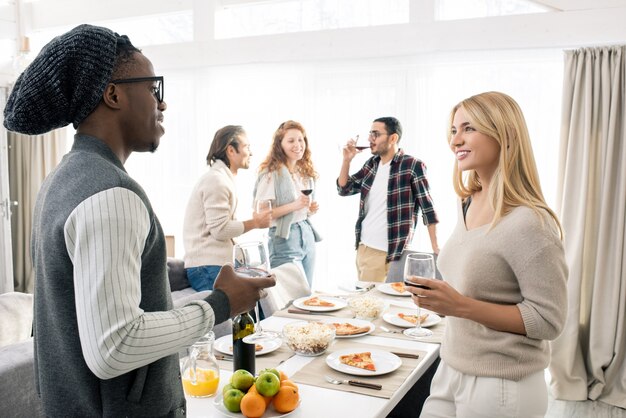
(285, 192)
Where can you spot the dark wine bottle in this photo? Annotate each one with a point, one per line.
(243, 353)
(307, 192)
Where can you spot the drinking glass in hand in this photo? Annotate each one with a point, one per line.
(263, 206)
(361, 145)
(250, 259)
(307, 186)
(418, 265)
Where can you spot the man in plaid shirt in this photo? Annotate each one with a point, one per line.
(393, 189)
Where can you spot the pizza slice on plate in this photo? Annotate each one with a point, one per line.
(413, 318)
(397, 286)
(349, 329)
(360, 360)
(315, 301)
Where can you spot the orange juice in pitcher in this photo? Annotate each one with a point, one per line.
(199, 370)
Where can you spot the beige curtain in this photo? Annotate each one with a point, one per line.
(588, 359)
(31, 158)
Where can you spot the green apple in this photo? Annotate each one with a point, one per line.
(242, 380)
(276, 372)
(267, 384)
(232, 400)
(226, 388)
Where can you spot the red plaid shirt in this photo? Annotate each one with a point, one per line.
(407, 193)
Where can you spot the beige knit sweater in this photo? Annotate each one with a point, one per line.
(210, 225)
(519, 262)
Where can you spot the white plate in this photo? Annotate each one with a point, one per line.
(355, 322)
(394, 319)
(270, 412)
(387, 289)
(384, 361)
(339, 303)
(225, 345)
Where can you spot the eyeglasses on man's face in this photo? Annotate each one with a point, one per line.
(376, 134)
(158, 90)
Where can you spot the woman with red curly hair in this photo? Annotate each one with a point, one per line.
(281, 179)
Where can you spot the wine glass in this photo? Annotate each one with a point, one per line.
(250, 259)
(361, 145)
(307, 186)
(263, 206)
(422, 265)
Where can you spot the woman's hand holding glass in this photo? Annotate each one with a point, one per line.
(418, 265)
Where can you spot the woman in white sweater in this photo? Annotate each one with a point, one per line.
(504, 271)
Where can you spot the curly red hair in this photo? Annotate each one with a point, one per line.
(277, 158)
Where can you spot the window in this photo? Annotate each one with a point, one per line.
(286, 16)
(160, 29)
(469, 9)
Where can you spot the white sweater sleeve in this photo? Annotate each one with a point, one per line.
(105, 236)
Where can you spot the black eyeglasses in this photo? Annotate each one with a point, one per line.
(376, 134)
(159, 89)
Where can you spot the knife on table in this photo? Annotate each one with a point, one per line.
(405, 355)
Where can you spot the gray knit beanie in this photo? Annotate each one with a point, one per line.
(64, 83)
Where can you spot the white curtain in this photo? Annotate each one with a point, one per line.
(31, 158)
(336, 100)
(588, 359)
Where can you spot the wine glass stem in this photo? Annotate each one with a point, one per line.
(419, 323)
(257, 329)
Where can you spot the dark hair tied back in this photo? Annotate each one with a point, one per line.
(228, 135)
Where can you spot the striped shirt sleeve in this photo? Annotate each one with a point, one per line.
(105, 236)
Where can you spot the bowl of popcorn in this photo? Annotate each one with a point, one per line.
(367, 307)
(308, 338)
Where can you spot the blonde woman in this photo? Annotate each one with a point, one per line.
(282, 179)
(504, 271)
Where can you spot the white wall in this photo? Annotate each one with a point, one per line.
(335, 82)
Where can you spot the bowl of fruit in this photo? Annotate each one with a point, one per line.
(268, 394)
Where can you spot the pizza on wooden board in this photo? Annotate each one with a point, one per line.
(349, 329)
(315, 301)
(360, 360)
(397, 286)
(413, 318)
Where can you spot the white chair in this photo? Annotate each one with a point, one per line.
(290, 284)
(16, 317)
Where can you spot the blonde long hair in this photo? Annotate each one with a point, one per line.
(276, 158)
(516, 180)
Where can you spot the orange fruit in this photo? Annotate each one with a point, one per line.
(288, 382)
(286, 400)
(252, 405)
(268, 399)
(283, 375)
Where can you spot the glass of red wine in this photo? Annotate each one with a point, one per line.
(418, 265)
(250, 259)
(307, 186)
(360, 145)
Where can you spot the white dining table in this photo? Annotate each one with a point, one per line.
(328, 403)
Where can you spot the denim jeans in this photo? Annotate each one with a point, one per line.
(298, 248)
(202, 277)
